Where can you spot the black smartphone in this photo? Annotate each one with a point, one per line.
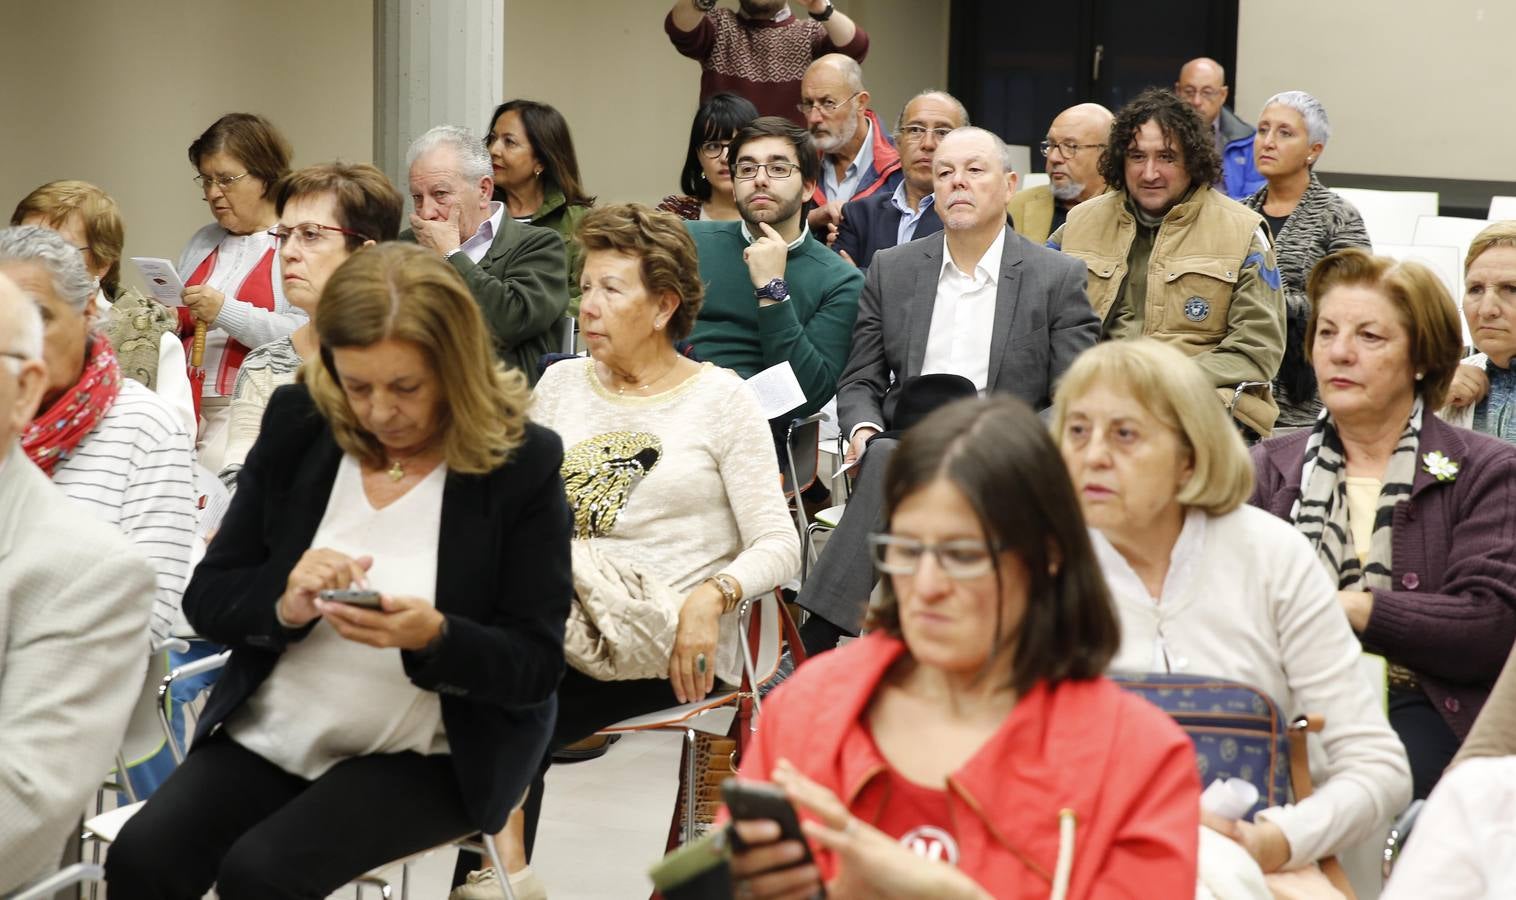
(365, 599)
(760, 800)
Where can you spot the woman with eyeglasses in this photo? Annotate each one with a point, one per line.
(326, 214)
(968, 746)
(1308, 222)
(537, 173)
(1206, 585)
(234, 296)
(707, 178)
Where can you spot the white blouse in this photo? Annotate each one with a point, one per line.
(329, 698)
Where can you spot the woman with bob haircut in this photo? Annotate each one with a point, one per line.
(1206, 585)
(707, 176)
(992, 637)
(1483, 395)
(1413, 519)
(401, 464)
(669, 468)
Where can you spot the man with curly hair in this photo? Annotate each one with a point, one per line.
(1171, 258)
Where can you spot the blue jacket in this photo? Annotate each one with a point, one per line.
(1239, 173)
(871, 224)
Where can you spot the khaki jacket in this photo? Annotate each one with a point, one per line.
(1212, 289)
(1032, 211)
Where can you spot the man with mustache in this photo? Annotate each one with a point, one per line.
(884, 219)
(977, 305)
(1072, 148)
(858, 158)
(774, 293)
(1171, 258)
(760, 50)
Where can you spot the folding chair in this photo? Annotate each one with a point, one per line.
(568, 335)
(802, 454)
(1390, 216)
(714, 715)
(76, 874)
(1448, 231)
(1400, 832)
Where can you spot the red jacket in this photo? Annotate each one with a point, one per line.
(1124, 768)
(885, 172)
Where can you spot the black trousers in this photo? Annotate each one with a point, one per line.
(228, 816)
(1429, 742)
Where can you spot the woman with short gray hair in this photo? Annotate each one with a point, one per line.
(1308, 221)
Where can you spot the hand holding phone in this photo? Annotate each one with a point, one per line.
(365, 599)
(753, 800)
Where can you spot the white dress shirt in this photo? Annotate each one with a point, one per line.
(963, 317)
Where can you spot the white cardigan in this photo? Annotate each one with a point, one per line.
(1246, 599)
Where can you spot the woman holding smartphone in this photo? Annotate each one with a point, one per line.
(402, 463)
(1040, 777)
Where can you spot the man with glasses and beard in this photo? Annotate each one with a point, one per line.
(760, 50)
(858, 159)
(774, 294)
(1072, 149)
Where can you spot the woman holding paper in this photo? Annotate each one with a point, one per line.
(669, 467)
(233, 296)
(1207, 585)
(326, 214)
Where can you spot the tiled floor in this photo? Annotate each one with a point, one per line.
(604, 822)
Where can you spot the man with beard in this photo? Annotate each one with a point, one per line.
(1072, 148)
(760, 51)
(774, 293)
(977, 308)
(882, 220)
(857, 157)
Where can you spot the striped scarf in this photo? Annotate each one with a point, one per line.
(1321, 511)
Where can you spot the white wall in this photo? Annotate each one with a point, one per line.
(114, 93)
(629, 96)
(1412, 88)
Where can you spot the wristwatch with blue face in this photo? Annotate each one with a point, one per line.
(775, 290)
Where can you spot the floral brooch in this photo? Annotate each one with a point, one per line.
(1439, 466)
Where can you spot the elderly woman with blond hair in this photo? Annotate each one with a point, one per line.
(1412, 518)
(1206, 585)
(393, 579)
(1483, 395)
(670, 471)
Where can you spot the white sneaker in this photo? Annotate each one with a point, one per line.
(485, 885)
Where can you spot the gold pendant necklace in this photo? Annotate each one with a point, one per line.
(396, 470)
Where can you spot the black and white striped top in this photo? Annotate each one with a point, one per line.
(134, 471)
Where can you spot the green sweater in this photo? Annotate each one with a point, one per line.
(813, 329)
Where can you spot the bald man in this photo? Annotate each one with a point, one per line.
(74, 601)
(1073, 146)
(1202, 84)
(858, 157)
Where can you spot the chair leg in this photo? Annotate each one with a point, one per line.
(405, 882)
(689, 786)
(502, 878)
(124, 778)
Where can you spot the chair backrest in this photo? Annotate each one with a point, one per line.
(1237, 730)
(1033, 179)
(567, 332)
(1501, 209)
(1448, 231)
(144, 737)
(1390, 216)
(1021, 158)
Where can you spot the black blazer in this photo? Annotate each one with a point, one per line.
(503, 582)
(871, 224)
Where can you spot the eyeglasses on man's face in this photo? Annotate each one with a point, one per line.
(1207, 93)
(747, 171)
(307, 234)
(827, 106)
(915, 134)
(1067, 148)
(220, 181)
(960, 560)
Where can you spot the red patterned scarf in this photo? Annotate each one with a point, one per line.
(52, 436)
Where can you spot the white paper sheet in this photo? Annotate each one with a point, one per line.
(777, 390)
(163, 282)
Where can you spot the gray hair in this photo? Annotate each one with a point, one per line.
(852, 73)
(473, 156)
(62, 260)
(963, 113)
(1001, 149)
(25, 318)
(1318, 130)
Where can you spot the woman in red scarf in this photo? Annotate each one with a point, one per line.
(230, 267)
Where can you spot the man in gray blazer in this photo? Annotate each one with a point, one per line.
(977, 301)
(74, 603)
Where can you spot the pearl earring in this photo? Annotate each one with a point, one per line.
(1420, 375)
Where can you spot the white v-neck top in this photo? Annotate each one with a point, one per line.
(330, 698)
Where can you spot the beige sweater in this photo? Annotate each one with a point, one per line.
(684, 483)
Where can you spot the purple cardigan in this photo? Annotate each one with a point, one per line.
(1453, 558)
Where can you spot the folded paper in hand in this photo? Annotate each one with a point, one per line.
(163, 282)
